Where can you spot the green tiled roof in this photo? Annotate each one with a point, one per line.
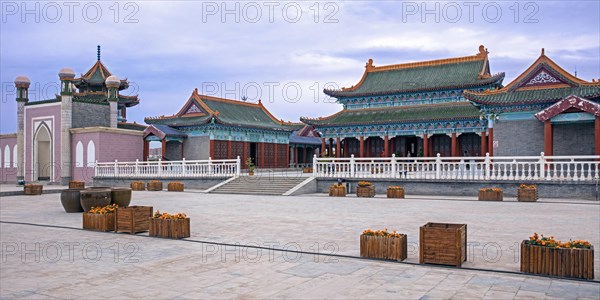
(235, 114)
(532, 96)
(179, 121)
(399, 114)
(424, 78)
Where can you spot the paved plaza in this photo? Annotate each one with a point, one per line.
(46, 255)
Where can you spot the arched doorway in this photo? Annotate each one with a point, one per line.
(43, 161)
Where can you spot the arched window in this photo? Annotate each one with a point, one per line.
(79, 154)
(7, 156)
(91, 154)
(14, 156)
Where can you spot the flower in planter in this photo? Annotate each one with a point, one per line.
(167, 216)
(527, 186)
(550, 242)
(384, 232)
(497, 190)
(109, 209)
(364, 184)
(394, 187)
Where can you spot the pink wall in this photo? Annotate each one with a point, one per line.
(122, 147)
(109, 146)
(46, 113)
(8, 168)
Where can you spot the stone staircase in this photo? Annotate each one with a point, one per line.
(259, 185)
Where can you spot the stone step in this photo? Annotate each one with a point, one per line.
(259, 186)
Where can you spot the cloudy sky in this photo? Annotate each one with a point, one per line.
(282, 52)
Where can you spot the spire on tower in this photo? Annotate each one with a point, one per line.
(98, 52)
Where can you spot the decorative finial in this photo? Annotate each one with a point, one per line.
(369, 65)
(98, 52)
(543, 51)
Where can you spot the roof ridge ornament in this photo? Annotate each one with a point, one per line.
(543, 52)
(369, 66)
(98, 52)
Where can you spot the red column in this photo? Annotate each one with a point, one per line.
(338, 147)
(454, 145)
(491, 141)
(425, 145)
(386, 146)
(164, 148)
(275, 163)
(483, 144)
(262, 154)
(361, 147)
(146, 150)
(322, 147)
(548, 143)
(368, 146)
(392, 146)
(597, 136)
(229, 150)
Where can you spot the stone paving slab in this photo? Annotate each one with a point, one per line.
(141, 267)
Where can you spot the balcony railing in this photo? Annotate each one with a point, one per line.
(557, 168)
(169, 169)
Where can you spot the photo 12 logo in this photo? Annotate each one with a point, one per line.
(54, 251)
(470, 11)
(269, 11)
(70, 11)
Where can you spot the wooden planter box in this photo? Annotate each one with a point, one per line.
(337, 191)
(33, 189)
(527, 195)
(154, 185)
(383, 247)
(76, 184)
(395, 193)
(490, 195)
(138, 186)
(171, 229)
(561, 262)
(175, 187)
(99, 222)
(133, 219)
(307, 170)
(365, 191)
(444, 244)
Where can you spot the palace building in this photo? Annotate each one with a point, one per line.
(545, 109)
(411, 109)
(219, 128)
(456, 107)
